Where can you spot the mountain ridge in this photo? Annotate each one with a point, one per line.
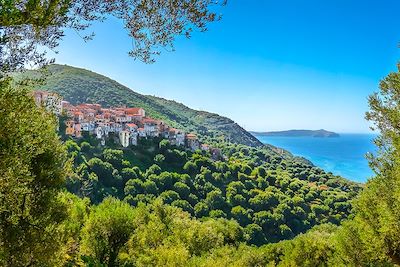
(78, 85)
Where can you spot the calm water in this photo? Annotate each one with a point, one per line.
(343, 156)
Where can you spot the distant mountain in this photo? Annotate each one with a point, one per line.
(299, 133)
(78, 85)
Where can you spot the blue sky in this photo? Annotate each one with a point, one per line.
(268, 65)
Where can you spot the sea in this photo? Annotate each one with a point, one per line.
(344, 155)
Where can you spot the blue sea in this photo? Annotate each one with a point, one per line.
(344, 155)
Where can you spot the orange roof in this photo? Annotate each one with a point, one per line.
(131, 125)
(149, 120)
(133, 111)
(191, 136)
(323, 187)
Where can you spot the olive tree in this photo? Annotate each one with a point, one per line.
(26, 26)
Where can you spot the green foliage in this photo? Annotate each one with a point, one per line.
(29, 26)
(106, 231)
(32, 172)
(277, 197)
(373, 233)
(159, 158)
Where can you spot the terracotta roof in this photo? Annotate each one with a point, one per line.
(149, 120)
(133, 111)
(191, 136)
(131, 125)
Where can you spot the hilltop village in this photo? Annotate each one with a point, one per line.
(126, 124)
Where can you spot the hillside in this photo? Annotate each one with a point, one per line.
(273, 197)
(79, 85)
(299, 133)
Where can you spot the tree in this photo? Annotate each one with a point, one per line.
(182, 189)
(32, 172)
(184, 205)
(164, 145)
(103, 170)
(215, 200)
(26, 25)
(311, 249)
(263, 201)
(77, 210)
(159, 158)
(169, 196)
(240, 214)
(133, 187)
(201, 209)
(254, 234)
(106, 231)
(114, 156)
(127, 174)
(377, 208)
(190, 168)
(86, 147)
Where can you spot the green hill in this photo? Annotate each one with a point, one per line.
(79, 85)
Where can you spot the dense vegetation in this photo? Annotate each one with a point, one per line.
(83, 86)
(273, 197)
(32, 171)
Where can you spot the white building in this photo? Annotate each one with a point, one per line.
(51, 101)
(151, 128)
(88, 127)
(192, 142)
(141, 132)
(131, 127)
(117, 128)
(180, 138)
(99, 132)
(124, 138)
(134, 138)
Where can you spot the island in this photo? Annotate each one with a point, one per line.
(299, 133)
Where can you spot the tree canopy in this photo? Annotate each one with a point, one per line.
(28, 25)
(32, 172)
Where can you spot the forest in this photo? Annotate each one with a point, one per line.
(271, 197)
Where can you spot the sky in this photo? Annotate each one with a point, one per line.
(268, 65)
